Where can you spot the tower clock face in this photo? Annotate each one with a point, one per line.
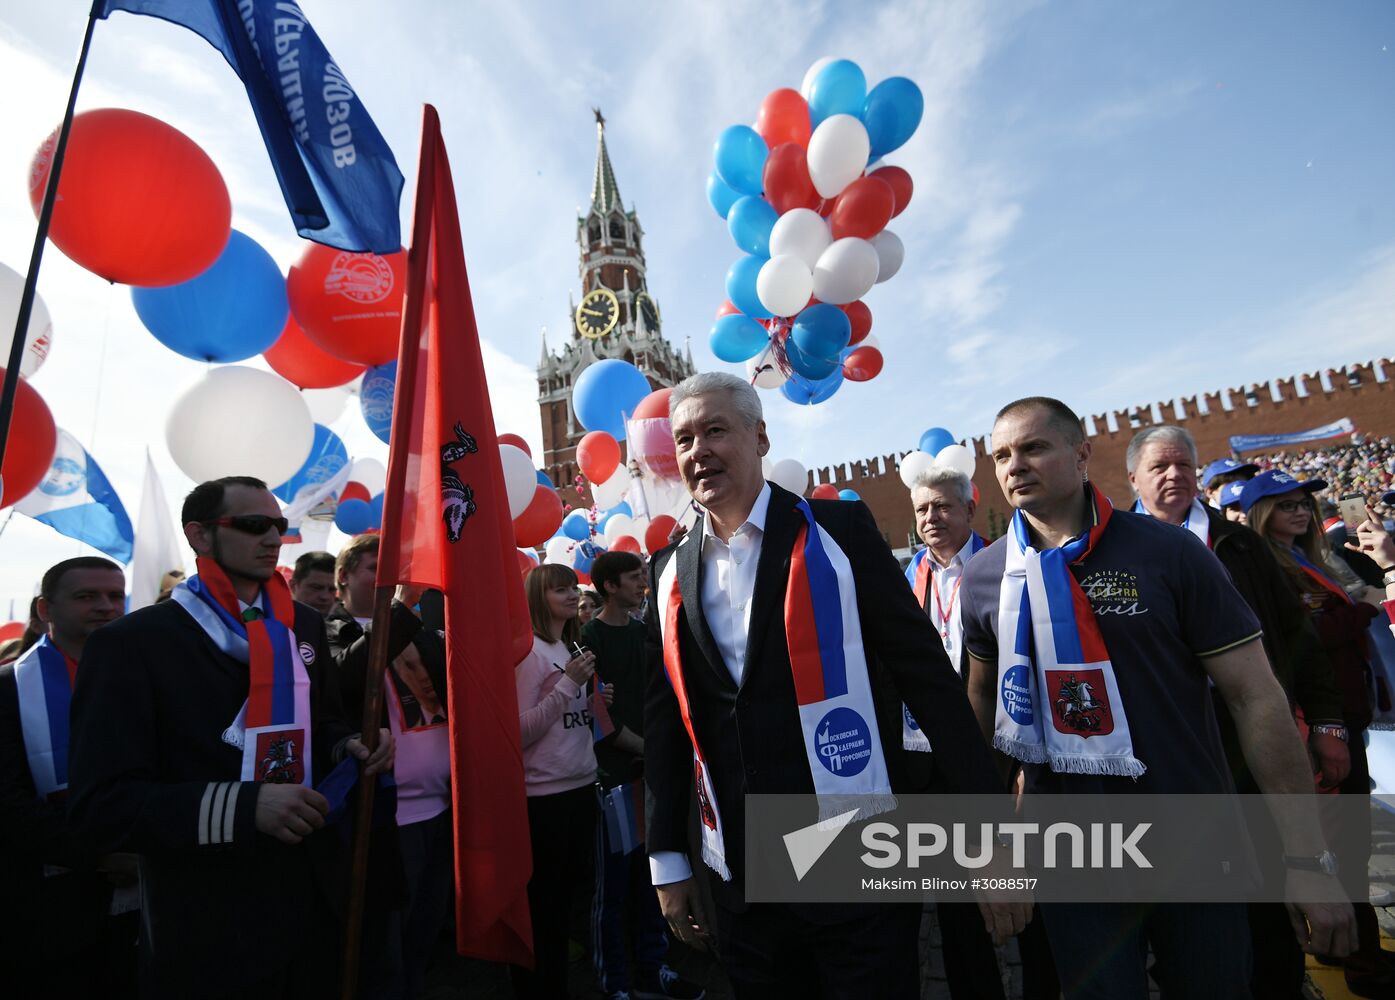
(648, 311)
(598, 313)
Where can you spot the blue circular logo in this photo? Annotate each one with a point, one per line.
(843, 742)
(1017, 695)
(65, 477)
(910, 719)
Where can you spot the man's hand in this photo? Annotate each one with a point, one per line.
(380, 760)
(409, 595)
(1323, 921)
(1331, 759)
(608, 695)
(681, 906)
(1005, 912)
(290, 813)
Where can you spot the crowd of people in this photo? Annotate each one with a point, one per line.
(173, 825)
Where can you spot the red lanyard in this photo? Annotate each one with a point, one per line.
(953, 596)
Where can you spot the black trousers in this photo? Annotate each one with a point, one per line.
(561, 828)
(772, 951)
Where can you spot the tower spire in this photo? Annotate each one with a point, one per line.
(605, 193)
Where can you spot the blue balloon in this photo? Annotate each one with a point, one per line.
(544, 481)
(233, 311)
(750, 221)
(605, 395)
(739, 156)
(849, 495)
(585, 557)
(821, 331)
(807, 392)
(934, 439)
(892, 113)
(741, 287)
(839, 89)
(354, 517)
(621, 508)
(719, 195)
(576, 526)
(375, 399)
(808, 366)
(736, 338)
(375, 508)
(327, 457)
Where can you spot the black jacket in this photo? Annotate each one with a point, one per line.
(751, 735)
(222, 904)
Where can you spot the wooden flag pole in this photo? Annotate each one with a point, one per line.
(418, 264)
(36, 255)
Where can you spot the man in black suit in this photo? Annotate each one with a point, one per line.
(732, 572)
(171, 760)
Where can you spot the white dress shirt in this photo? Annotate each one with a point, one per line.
(944, 597)
(728, 581)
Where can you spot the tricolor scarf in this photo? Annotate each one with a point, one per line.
(919, 574)
(1052, 661)
(1197, 522)
(273, 727)
(1319, 576)
(824, 635)
(44, 677)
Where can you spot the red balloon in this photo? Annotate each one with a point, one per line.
(784, 117)
(787, 183)
(582, 578)
(355, 491)
(138, 201)
(653, 405)
(975, 486)
(539, 519)
(825, 207)
(626, 543)
(726, 309)
(525, 562)
(350, 304)
(12, 630)
(297, 360)
(824, 491)
(861, 318)
(863, 209)
(517, 442)
(902, 186)
(33, 441)
(656, 535)
(862, 365)
(598, 456)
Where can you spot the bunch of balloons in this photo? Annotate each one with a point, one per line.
(805, 196)
(937, 447)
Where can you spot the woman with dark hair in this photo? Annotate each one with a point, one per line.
(559, 767)
(1281, 508)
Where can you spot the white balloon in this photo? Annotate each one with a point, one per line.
(801, 232)
(764, 373)
(609, 493)
(326, 405)
(520, 478)
(958, 458)
(619, 524)
(38, 338)
(369, 473)
(837, 154)
(236, 421)
(560, 550)
(784, 284)
(846, 271)
(812, 75)
(913, 463)
(791, 475)
(890, 253)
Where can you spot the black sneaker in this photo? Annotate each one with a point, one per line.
(665, 984)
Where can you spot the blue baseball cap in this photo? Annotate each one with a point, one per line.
(1223, 465)
(1274, 483)
(1230, 493)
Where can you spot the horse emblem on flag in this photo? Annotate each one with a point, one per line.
(277, 761)
(1081, 705)
(457, 498)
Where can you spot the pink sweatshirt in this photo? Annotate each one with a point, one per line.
(555, 720)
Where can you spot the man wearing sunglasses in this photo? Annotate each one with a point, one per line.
(200, 727)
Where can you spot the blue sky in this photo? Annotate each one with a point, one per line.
(1115, 203)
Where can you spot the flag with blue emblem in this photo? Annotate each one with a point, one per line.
(75, 499)
(337, 174)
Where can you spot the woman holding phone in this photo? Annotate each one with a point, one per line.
(559, 767)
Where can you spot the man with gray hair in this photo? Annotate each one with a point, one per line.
(740, 693)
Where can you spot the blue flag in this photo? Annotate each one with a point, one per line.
(338, 176)
(75, 499)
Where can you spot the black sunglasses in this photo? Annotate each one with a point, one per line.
(252, 524)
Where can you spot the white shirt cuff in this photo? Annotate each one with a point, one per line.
(669, 866)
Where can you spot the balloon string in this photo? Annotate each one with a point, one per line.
(88, 509)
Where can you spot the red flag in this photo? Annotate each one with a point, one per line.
(446, 525)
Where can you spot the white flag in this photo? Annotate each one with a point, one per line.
(158, 547)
